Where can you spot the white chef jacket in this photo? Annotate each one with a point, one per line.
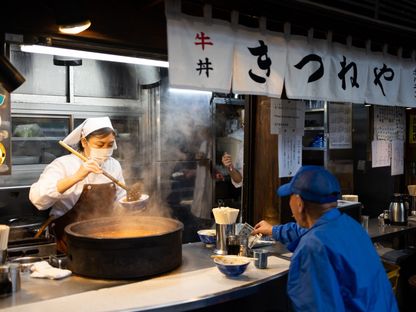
(202, 200)
(239, 161)
(43, 193)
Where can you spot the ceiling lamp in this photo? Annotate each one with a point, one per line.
(74, 28)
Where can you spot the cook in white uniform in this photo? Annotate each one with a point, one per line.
(235, 170)
(78, 190)
(202, 199)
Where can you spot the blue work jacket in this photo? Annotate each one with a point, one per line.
(334, 267)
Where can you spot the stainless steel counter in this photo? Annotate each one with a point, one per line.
(177, 290)
(377, 232)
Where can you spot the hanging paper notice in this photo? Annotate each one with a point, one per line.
(389, 123)
(412, 129)
(397, 157)
(290, 154)
(380, 153)
(340, 126)
(287, 117)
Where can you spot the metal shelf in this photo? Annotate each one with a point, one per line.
(314, 110)
(36, 138)
(314, 128)
(309, 148)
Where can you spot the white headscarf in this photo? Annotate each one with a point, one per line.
(88, 126)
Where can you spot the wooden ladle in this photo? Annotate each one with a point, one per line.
(133, 193)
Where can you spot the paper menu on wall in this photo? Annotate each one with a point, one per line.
(287, 116)
(389, 123)
(290, 154)
(380, 153)
(340, 125)
(397, 157)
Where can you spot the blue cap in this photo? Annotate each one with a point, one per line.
(314, 184)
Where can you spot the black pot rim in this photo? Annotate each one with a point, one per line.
(69, 227)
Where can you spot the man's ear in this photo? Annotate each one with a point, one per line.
(300, 205)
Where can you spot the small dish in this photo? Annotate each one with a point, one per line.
(208, 237)
(231, 265)
(136, 204)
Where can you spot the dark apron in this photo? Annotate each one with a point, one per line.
(96, 201)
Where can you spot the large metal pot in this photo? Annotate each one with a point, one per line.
(124, 247)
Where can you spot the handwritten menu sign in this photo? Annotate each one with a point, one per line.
(287, 116)
(412, 128)
(389, 123)
(380, 153)
(5, 127)
(290, 154)
(397, 157)
(340, 125)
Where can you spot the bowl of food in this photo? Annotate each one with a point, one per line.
(208, 237)
(135, 205)
(231, 265)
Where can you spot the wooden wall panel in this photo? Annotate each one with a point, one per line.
(264, 165)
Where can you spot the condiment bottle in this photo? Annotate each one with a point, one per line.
(5, 284)
(386, 217)
(233, 245)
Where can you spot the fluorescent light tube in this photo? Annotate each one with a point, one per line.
(91, 55)
(189, 91)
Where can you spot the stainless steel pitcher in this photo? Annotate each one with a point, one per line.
(399, 210)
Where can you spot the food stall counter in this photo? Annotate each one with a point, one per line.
(196, 283)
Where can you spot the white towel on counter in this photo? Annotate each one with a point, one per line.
(43, 269)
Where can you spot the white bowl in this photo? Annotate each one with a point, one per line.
(208, 236)
(139, 204)
(231, 265)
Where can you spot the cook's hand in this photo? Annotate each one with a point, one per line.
(263, 227)
(226, 160)
(87, 167)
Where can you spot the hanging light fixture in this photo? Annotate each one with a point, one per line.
(71, 16)
(75, 28)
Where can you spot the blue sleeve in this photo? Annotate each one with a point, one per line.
(312, 283)
(288, 232)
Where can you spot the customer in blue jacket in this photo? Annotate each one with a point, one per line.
(334, 266)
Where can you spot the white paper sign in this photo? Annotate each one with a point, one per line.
(213, 55)
(380, 153)
(307, 69)
(389, 123)
(397, 157)
(383, 79)
(340, 125)
(287, 116)
(407, 89)
(259, 63)
(290, 154)
(348, 74)
(200, 54)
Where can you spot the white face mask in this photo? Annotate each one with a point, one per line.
(100, 155)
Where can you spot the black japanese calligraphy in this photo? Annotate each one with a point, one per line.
(344, 70)
(204, 66)
(386, 73)
(263, 61)
(319, 73)
(203, 40)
